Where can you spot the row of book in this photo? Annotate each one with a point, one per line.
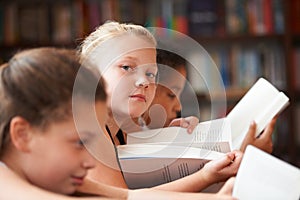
(60, 22)
(218, 17)
(237, 66)
(66, 20)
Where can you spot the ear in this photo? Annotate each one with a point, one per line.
(20, 133)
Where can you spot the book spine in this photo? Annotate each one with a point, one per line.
(203, 19)
(295, 16)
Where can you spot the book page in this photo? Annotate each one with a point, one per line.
(261, 103)
(163, 170)
(145, 165)
(262, 176)
(164, 151)
(211, 135)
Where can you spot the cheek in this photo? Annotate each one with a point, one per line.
(50, 176)
(152, 92)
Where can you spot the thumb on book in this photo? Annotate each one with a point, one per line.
(250, 136)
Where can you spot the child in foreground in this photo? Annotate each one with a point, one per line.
(43, 154)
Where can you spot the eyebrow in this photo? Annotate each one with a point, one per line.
(129, 58)
(87, 133)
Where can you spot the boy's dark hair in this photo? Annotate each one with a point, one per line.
(170, 59)
(37, 85)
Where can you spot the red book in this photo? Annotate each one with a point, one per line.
(268, 16)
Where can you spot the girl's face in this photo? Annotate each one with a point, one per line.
(131, 82)
(58, 160)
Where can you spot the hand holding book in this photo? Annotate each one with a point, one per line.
(263, 141)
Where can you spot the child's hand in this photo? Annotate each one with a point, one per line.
(188, 122)
(264, 141)
(223, 168)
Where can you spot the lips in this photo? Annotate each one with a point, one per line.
(77, 180)
(139, 97)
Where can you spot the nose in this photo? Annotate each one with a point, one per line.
(142, 81)
(177, 106)
(89, 161)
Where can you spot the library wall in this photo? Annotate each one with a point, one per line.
(246, 39)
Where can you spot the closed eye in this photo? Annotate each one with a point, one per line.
(82, 142)
(171, 95)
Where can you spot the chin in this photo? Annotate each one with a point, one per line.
(136, 115)
(69, 191)
(65, 189)
(137, 112)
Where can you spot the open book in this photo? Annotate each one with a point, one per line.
(262, 176)
(150, 165)
(261, 103)
(177, 154)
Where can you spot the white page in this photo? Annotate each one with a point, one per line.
(261, 103)
(149, 165)
(212, 135)
(261, 176)
(149, 172)
(164, 151)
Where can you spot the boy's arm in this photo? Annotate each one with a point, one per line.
(99, 188)
(145, 194)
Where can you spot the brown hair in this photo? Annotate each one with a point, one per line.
(170, 59)
(37, 85)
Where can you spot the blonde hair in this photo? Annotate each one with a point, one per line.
(113, 29)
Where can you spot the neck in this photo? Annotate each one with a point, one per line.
(126, 125)
(14, 161)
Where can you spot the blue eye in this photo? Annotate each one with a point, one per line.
(150, 75)
(126, 67)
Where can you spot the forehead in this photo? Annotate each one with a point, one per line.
(109, 51)
(145, 55)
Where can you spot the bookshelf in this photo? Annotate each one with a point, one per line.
(264, 33)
